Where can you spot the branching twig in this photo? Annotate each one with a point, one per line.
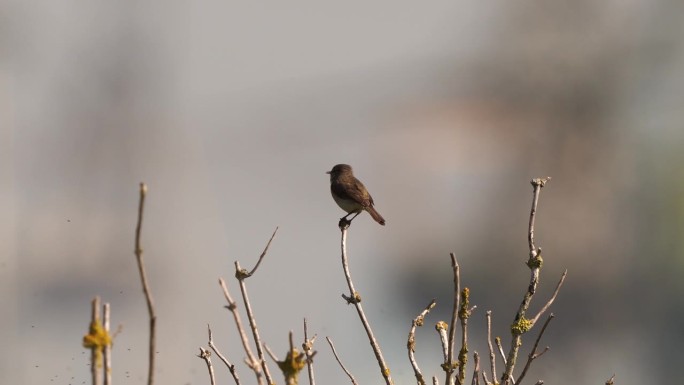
(355, 299)
(146, 288)
(205, 355)
(241, 275)
(252, 361)
(533, 353)
(230, 366)
(353, 381)
(411, 344)
(550, 301)
(520, 324)
(449, 364)
(307, 346)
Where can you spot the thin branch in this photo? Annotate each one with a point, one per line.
(242, 274)
(205, 355)
(252, 362)
(355, 299)
(520, 324)
(108, 347)
(492, 356)
(501, 351)
(476, 371)
(610, 381)
(449, 364)
(533, 353)
(263, 253)
(537, 184)
(553, 298)
(464, 313)
(442, 328)
(540, 382)
(94, 351)
(146, 288)
(411, 344)
(353, 381)
(307, 346)
(435, 381)
(230, 366)
(271, 354)
(252, 321)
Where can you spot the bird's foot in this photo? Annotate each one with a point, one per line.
(344, 223)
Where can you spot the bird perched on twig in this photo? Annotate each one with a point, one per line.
(350, 194)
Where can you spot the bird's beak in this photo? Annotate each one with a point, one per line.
(327, 172)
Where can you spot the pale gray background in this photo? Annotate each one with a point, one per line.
(232, 112)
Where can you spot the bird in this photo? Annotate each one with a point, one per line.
(350, 194)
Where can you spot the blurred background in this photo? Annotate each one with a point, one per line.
(232, 112)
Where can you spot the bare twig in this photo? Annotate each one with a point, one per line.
(449, 363)
(353, 381)
(476, 371)
(252, 362)
(435, 381)
(411, 344)
(108, 347)
(307, 346)
(230, 366)
(252, 321)
(492, 356)
(484, 378)
(550, 301)
(242, 274)
(261, 257)
(206, 356)
(501, 351)
(464, 313)
(355, 299)
(271, 354)
(540, 382)
(610, 381)
(537, 184)
(533, 353)
(521, 324)
(443, 329)
(146, 288)
(94, 351)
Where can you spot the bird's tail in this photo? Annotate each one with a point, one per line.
(376, 215)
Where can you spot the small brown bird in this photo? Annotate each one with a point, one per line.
(350, 194)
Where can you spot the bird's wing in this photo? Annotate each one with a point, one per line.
(355, 191)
